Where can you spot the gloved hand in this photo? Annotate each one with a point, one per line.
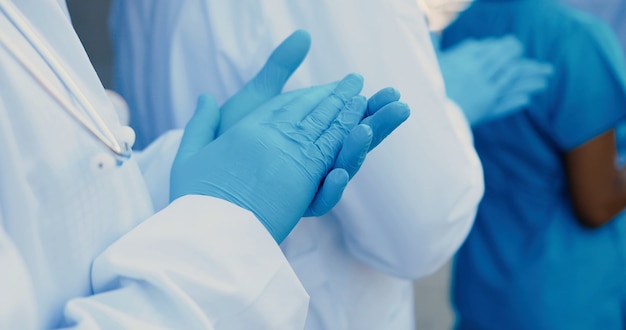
(275, 159)
(490, 78)
(384, 111)
(384, 114)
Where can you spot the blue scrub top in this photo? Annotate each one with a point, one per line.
(612, 12)
(528, 263)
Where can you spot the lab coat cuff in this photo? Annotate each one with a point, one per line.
(212, 254)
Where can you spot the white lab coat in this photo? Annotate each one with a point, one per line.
(81, 246)
(411, 205)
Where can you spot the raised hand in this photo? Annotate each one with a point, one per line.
(384, 114)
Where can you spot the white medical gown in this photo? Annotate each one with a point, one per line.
(413, 202)
(80, 245)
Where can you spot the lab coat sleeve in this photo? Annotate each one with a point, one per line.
(413, 202)
(200, 263)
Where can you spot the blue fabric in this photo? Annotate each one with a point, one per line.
(528, 263)
(612, 12)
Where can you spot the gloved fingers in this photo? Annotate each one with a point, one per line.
(329, 193)
(528, 85)
(473, 49)
(493, 70)
(525, 75)
(269, 82)
(201, 128)
(331, 140)
(325, 113)
(386, 120)
(510, 104)
(348, 87)
(470, 48)
(519, 95)
(304, 98)
(533, 72)
(381, 99)
(506, 79)
(354, 149)
(500, 55)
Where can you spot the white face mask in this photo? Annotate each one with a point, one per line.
(440, 13)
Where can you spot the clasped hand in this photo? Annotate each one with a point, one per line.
(490, 78)
(283, 156)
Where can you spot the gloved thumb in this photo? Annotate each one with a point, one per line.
(201, 128)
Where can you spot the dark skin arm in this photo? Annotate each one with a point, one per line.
(597, 186)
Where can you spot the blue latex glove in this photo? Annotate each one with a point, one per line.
(490, 78)
(274, 160)
(384, 112)
(269, 82)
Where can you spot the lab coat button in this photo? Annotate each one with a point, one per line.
(102, 163)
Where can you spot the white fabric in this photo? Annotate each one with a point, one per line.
(120, 106)
(440, 13)
(412, 204)
(156, 162)
(200, 263)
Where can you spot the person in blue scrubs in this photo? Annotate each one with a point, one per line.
(613, 13)
(546, 251)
